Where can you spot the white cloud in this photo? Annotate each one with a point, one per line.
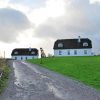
(53, 8)
(94, 1)
(11, 23)
(30, 3)
(3, 3)
(20, 7)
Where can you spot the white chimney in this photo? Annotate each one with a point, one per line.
(30, 48)
(79, 39)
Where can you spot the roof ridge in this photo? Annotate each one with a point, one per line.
(73, 39)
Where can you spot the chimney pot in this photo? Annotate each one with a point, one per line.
(79, 39)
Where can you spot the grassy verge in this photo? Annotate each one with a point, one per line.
(4, 79)
(85, 69)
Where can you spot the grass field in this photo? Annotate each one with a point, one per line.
(5, 74)
(85, 69)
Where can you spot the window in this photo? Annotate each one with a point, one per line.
(15, 58)
(60, 45)
(75, 52)
(16, 52)
(85, 51)
(33, 52)
(60, 52)
(68, 52)
(85, 44)
(21, 58)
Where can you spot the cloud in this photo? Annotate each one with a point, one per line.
(80, 18)
(12, 22)
(3, 3)
(30, 3)
(95, 1)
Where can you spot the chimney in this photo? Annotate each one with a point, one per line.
(30, 48)
(79, 39)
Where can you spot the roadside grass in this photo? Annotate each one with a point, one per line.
(84, 69)
(5, 74)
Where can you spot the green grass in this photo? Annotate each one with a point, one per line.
(4, 79)
(84, 69)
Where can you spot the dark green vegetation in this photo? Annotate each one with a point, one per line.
(85, 69)
(5, 74)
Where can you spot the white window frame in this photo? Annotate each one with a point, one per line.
(16, 52)
(60, 45)
(85, 44)
(32, 52)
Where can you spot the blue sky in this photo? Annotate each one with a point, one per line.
(38, 23)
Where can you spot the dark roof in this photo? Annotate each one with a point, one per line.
(24, 51)
(73, 43)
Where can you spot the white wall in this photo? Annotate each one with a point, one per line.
(24, 57)
(80, 52)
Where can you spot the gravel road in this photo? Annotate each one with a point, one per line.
(31, 82)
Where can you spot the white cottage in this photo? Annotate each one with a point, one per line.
(73, 47)
(24, 53)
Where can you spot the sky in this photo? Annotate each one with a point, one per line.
(39, 23)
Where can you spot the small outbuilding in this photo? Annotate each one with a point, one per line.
(24, 53)
(73, 47)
